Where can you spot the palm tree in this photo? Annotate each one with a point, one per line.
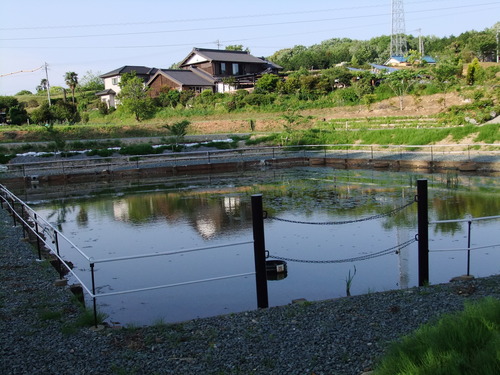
(71, 79)
(44, 84)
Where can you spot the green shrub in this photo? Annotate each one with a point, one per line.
(346, 96)
(4, 159)
(461, 344)
(102, 152)
(139, 149)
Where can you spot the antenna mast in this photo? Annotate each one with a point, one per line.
(398, 38)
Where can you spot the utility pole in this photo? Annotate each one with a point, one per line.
(48, 84)
(420, 43)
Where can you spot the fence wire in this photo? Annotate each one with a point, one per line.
(389, 213)
(354, 259)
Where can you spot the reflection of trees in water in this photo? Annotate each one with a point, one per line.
(209, 215)
(460, 205)
(216, 213)
(82, 218)
(341, 195)
(59, 213)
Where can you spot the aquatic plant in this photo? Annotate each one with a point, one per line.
(348, 281)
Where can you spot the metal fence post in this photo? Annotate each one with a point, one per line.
(468, 248)
(14, 213)
(37, 237)
(93, 293)
(22, 223)
(423, 233)
(259, 251)
(59, 263)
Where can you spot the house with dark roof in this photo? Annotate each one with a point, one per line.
(202, 69)
(229, 69)
(180, 79)
(112, 81)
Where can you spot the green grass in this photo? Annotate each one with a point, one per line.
(399, 136)
(460, 344)
(86, 318)
(46, 314)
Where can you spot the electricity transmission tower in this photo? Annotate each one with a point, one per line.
(398, 38)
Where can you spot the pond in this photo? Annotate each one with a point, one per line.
(326, 259)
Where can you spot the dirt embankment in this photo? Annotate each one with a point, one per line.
(422, 106)
(237, 123)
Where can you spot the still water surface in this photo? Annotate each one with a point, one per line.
(210, 210)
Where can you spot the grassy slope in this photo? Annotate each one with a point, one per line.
(380, 123)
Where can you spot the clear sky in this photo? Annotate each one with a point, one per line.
(99, 36)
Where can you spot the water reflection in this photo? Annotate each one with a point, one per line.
(163, 217)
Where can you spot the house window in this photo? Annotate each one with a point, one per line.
(223, 69)
(115, 80)
(236, 69)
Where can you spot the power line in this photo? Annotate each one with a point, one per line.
(200, 19)
(239, 40)
(237, 26)
(22, 71)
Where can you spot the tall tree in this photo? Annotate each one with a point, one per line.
(401, 82)
(237, 47)
(71, 79)
(473, 71)
(134, 97)
(43, 86)
(446, 74)
(91, 82)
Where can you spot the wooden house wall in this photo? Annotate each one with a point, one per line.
(206, 67)
(214, 68)
(158, 83)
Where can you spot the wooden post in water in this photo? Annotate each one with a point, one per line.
(423, 233)
(259, 246)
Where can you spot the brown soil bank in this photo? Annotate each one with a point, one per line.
(424, 106)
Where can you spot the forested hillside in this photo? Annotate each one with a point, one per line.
(465, 47)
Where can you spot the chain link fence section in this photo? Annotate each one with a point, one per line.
(394, 249)
(374, 217)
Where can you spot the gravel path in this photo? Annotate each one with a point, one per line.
(39, 334)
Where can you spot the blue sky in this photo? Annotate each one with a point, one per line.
(100, 36)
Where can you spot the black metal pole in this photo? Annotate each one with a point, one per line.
(59, 263)
(93, 293)
(259, 246)
(468, 249)
(423, 233)
(14, 213)
(22, 223)
(37, 238)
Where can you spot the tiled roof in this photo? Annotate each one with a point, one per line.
(429, 59)
(400, 59)
(140, 70)
(106, 92)
(224, 55)
(185, 77)
(388, 69)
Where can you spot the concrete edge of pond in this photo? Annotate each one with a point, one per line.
(110, 172)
